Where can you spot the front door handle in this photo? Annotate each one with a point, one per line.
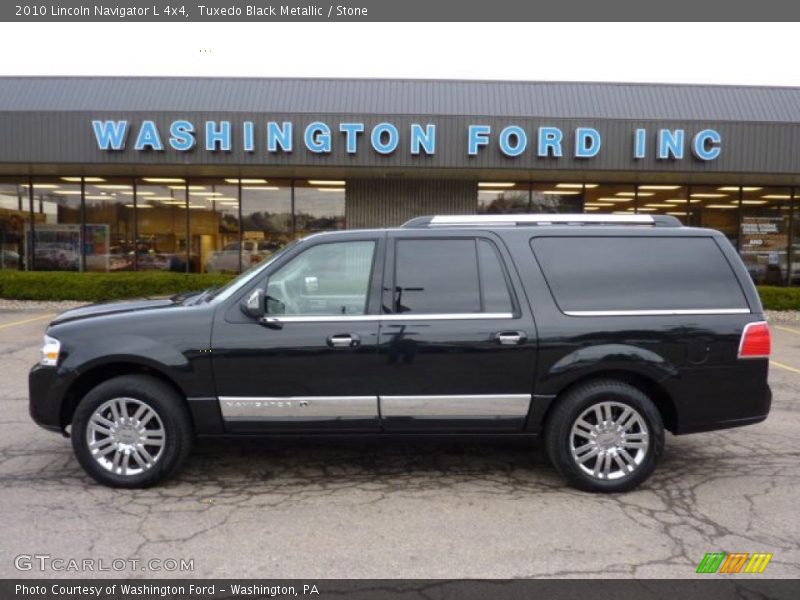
(510, 338)
(344, 340)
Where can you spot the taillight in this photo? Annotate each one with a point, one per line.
(756, 341)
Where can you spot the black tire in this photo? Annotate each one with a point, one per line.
(574, 403)
(170, 409)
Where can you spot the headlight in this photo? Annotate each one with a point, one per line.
(50, 352)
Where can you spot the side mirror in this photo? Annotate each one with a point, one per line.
(253, 306)
(311, 285)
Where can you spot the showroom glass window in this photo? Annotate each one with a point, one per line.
(765, 233)
(56, 235)
(716, 207)
(503, 197)
(663, 199)
(606, 198)
(14, 220)
(110, 243)
(214, 225)
(563, 197)
(266, 218)
(162, 216)
(318, 205)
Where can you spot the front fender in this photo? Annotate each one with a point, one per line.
(186, 371)
(138, 348)
(51, 387)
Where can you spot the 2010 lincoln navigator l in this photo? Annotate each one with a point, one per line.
(596, 332)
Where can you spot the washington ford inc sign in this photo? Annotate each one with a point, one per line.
(384, 138)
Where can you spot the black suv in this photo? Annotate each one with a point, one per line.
(597, 332)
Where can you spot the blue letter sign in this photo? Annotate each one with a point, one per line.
(110, 134)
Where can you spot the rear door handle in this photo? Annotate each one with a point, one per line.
(510, 338)
(344, 340)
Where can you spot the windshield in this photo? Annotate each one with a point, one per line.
(229, 288)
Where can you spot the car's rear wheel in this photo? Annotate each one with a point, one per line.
(605, 436)
(131, 431)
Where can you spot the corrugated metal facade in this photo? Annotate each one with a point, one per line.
(389, 203)
(409, 97)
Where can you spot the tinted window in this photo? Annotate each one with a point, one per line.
(450, 276)
(328, 279)
(437, 276)
(637, 273)
(496, 297)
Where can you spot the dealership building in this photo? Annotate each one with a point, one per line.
(214, 174)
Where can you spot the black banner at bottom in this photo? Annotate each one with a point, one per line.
(713, 588)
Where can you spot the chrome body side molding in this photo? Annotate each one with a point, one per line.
(400, 317)
(300, 407)
(486, 406)
(456, 406)
(657, 313)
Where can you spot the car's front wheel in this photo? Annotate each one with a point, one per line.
(131, 431)
(605, 436)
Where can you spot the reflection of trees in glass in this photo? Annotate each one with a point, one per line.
(507, 203)
(555, 204)
(307, 222)
(266, 221)
(229, 224)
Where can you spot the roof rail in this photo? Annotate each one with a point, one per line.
(541, 219)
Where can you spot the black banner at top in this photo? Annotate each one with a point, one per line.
(405, 10)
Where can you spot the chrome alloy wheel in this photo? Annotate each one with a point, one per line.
(125, 436)
(609, 440)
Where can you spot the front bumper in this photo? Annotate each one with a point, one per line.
(46, 392)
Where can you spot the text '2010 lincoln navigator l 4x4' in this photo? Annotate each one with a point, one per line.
(596, 332)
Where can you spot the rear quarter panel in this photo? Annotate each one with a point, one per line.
(692, 358)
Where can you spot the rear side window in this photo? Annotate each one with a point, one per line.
(446, 276)
(638, 273)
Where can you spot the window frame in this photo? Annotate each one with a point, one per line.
(388, 295)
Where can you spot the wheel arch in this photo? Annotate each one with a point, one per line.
(105, 371)
(647, 385)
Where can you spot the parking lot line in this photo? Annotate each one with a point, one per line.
(783, 366)
(789, 329)
(31, 320)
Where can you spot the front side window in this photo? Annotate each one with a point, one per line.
(325, 280)
(449, 276)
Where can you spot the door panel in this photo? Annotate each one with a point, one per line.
(309, 367)
(279, 378)
(453, 374)
(458, 352)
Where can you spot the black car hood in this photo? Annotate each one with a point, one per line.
(111, 308)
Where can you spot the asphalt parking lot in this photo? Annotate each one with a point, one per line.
(322, 509)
